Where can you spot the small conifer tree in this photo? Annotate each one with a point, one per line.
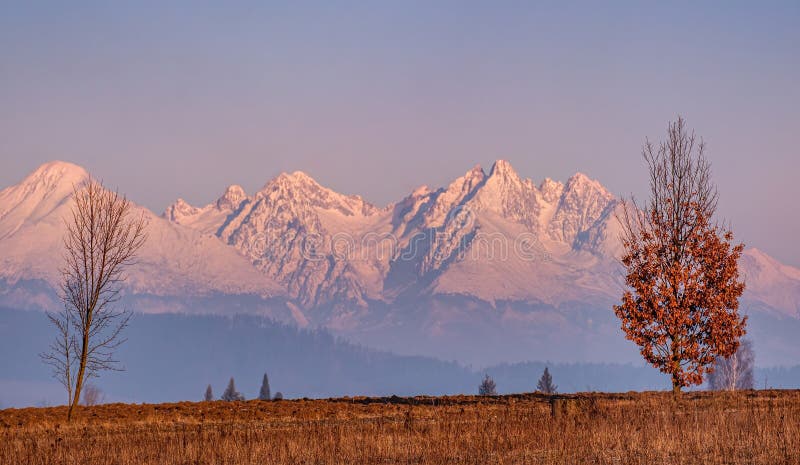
(209, 394)
(545, 383)
(264, 393)
(231, 393)
(487, 387)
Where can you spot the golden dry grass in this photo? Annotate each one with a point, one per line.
(754, 427)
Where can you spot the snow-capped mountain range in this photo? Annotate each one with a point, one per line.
(521, 266)
(332, 249)
(175, 261)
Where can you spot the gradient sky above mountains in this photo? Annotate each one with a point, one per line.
(180, 100)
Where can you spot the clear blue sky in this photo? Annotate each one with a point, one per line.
(375, 98)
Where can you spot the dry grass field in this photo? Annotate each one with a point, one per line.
(753, 427)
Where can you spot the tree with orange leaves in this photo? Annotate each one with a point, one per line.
(682, 270)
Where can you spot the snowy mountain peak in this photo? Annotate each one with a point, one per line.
(295, 180)
(580, 180)
(301, 189)
(583, 203)
(59, 167)
(474, 176)
(207, 219)
(300, 177)
(38, 194)
(53, 174)
(503, 177)
(444, 200)
(421, 191)
(174, 261)
(179, 210)
(503, 168)
(476, 173)
(233, 197)
(551, 190)
(505, 193)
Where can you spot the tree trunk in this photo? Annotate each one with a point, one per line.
(676, 386)
(734, 362)
(676, 367)
(79, 380)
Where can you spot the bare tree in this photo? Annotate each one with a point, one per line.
(102, 238)
(92, 395)
(734, 372)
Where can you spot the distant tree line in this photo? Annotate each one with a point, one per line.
(735, 372)
(545, 385)
(231, 394)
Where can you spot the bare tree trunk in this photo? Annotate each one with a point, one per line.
(81, 374)
(734, 372)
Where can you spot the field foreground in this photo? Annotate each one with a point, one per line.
(751, 427)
